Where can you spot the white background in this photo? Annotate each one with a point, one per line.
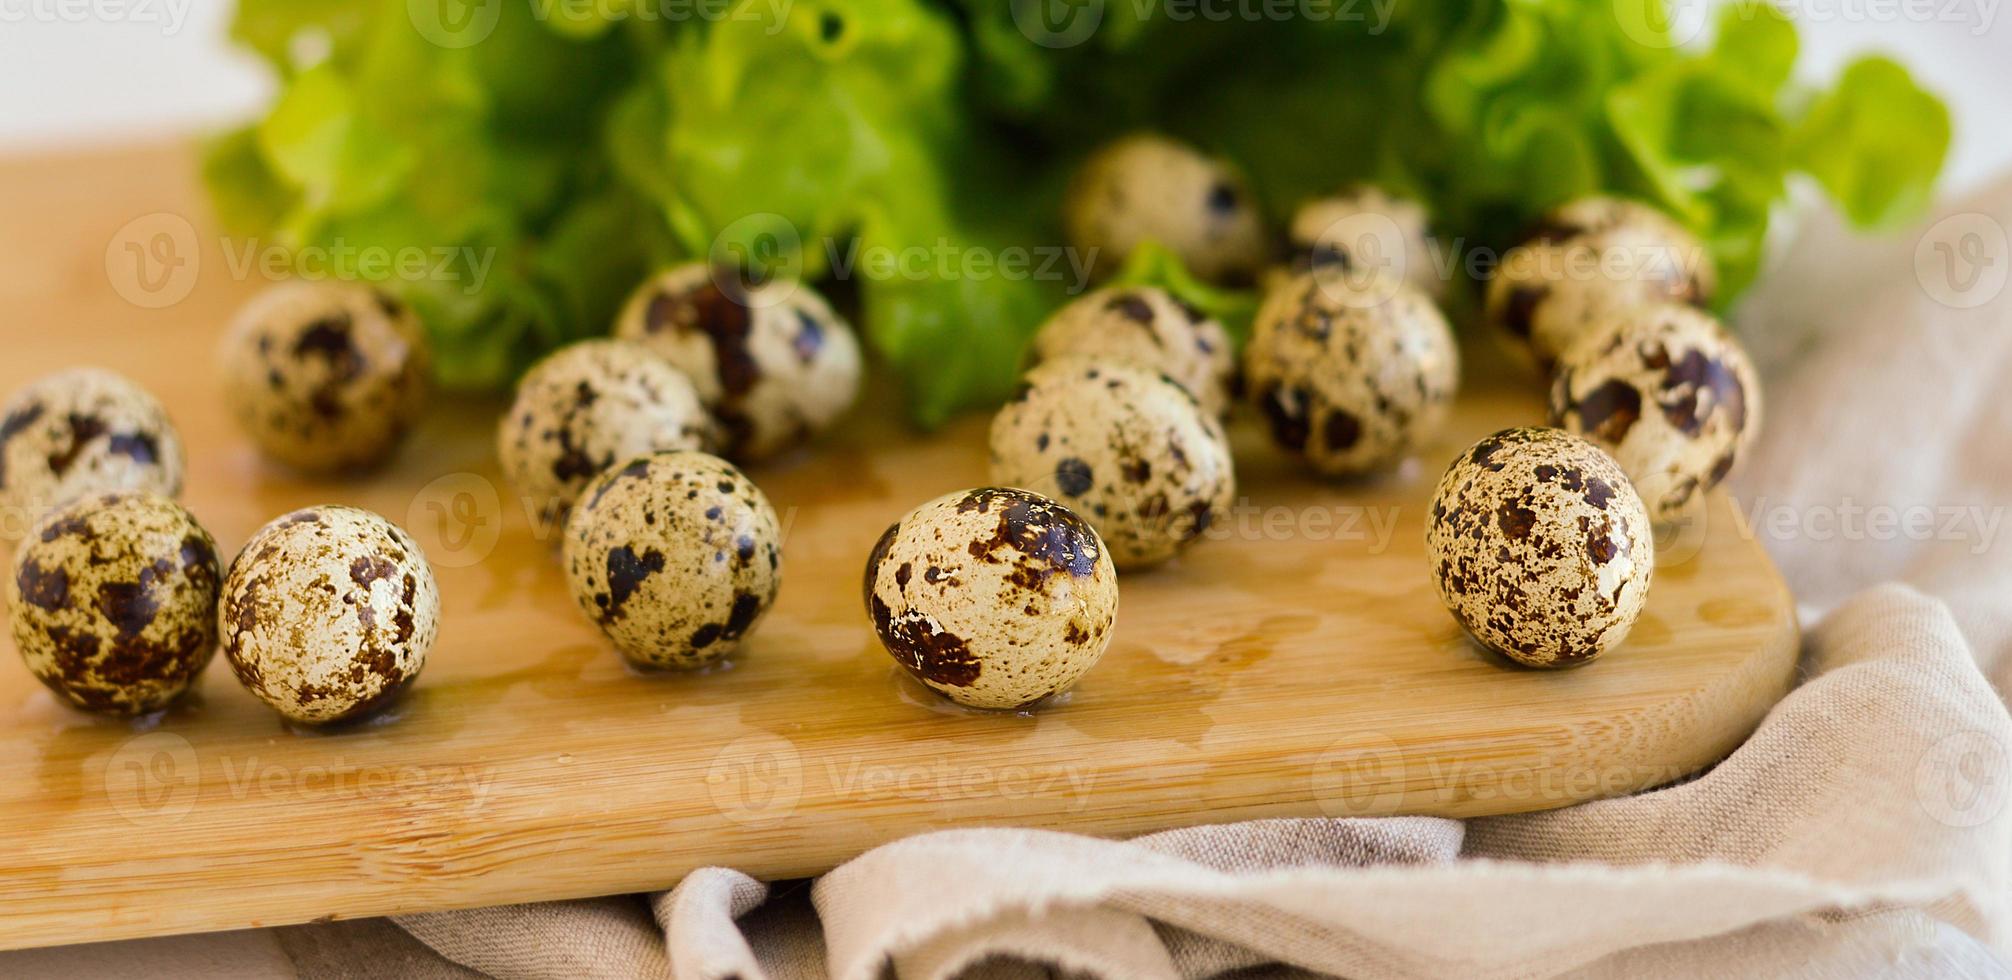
(87, 71)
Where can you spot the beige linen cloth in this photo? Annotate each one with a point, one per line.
(1864, 830)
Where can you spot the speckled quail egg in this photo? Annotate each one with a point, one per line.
(1148, 326)
(1596, 213)
(1364, 226)
(1127, 449)
(328, 613)
(1147, 187)
(325, 376)
(994, 597)
(589, 406)
(772, 362)
(676, 556)
(1669, 393)
(77, 432)
(1351, 374)
(1540, 547)
(114, 600)
(1589, 261)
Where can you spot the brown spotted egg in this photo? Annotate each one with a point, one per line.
(1669, 393)
(114, 600)
(1366, 227)
(325, 376)
(1147, 187)
(772, 363)
(1588, 261)
(1147, 326)
(1127, 449)
(77, 432)
(994, 597)
(328, 613)
(1352, 372)
(675, 556)
(589, 406)
(1540, 547)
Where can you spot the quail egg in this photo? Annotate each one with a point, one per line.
(1351, 373)
(1147, 326)
(1127, 449)
(114, 600)
(676, 556)
(328, 613)
(1589, 261)
(325, 376)
(1366, 227)
(589, 406)
(81, 431)
(994, 597)
(1540, 547)
(1669, 393)
(1596, 213)
(772, 362)
(1147, 187)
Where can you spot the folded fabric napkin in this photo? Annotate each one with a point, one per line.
(1864, 829)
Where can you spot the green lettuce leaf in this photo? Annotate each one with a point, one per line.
(1152, 264)
(548, 154)
(1875, 143)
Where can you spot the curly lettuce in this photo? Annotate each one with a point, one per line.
(903, 152)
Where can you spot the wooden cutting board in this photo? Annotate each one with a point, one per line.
(1297, 664)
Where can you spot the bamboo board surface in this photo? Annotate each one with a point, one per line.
(1296, 664)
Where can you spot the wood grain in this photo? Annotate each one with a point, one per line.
(1297, 664)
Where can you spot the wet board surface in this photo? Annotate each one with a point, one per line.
(1295, 664)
